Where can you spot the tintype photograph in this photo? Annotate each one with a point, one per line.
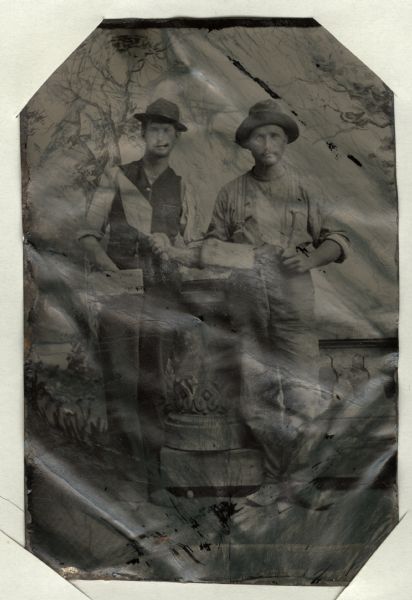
(211, 305)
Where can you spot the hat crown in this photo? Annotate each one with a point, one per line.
(266, 112)
(164, 111)
(265, 106)
(164, 108)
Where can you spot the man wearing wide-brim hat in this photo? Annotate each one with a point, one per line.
(141, 220)
(145, 197)
(278, 228)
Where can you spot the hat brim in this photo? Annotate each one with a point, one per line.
(288, 125)
(144, 117)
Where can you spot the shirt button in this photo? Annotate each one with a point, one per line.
(148, 189)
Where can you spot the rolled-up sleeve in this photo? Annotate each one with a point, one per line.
(343, 241)
(324, 224)
(98, 212)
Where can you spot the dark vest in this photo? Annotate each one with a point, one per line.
(127, 247)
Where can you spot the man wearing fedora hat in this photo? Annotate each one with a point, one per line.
(144, 203)
(141, 220)
(284, 230)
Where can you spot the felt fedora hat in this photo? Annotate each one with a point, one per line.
(164, 111)
(266, 112)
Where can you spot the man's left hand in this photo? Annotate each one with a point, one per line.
(160, 245)
(329, 251)
(298, 263)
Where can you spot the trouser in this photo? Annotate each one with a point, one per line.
(118, 324)
(164, 324)
(138, 338)
(273, 314)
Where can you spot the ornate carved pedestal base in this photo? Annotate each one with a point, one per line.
(205, 451)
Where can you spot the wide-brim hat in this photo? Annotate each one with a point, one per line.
(164, 111)
(266, 112)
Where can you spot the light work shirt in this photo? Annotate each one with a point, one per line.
(283, 212)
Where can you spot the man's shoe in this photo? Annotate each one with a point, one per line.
(266, 495)
(311, 497)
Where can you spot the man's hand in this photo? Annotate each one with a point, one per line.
(160, 245)
(296, 262)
